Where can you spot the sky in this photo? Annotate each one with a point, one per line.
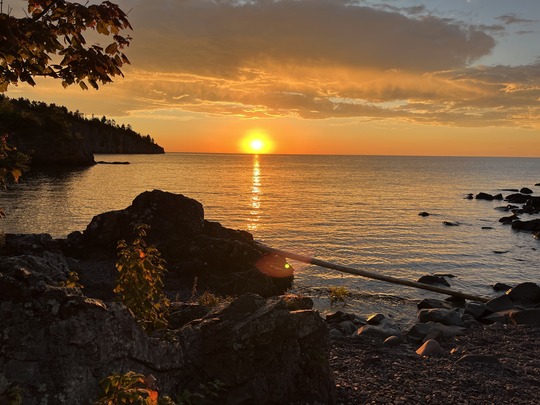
(404, 77)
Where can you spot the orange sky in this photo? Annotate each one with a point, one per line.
(327, 77)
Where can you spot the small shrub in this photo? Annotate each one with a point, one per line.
(140, 284)
(130, 388)
(207, 298)
(339, 294)
(210, 300)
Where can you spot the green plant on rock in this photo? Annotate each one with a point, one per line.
(140, 283)
(338, 294)
(130, 388)
(207, 298)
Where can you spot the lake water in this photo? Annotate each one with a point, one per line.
(360, 211)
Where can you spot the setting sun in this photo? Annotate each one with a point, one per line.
(255, 142)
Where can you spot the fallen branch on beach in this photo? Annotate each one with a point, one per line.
(369, 274)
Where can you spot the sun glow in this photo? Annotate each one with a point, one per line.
(256, 142)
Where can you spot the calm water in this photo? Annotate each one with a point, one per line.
(352, 210)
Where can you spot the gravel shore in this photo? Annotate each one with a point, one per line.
(504, 370)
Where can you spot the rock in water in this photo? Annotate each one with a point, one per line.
(529, 226)
(484, 196)
(222, 259)
(434, 280)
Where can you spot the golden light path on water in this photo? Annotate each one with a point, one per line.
(254, 217)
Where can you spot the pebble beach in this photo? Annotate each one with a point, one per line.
(495, 364)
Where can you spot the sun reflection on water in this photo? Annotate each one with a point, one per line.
(253, 219)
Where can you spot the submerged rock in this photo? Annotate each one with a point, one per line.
(484, 196)
(434, 280)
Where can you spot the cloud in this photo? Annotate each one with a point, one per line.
(513, 19)
(220, 37)
(321, 59)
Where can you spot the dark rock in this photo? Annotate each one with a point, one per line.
(484, 196)
(498, 197)
(501, 317)
(347, 328)
(526, 190)
(430, 347)
(424, 214)
(450, 223)
(501, 287)
(335, 334)
(529, 226)
(447, 275)
(513, 190)
(476, 309)
(375, 319)
(526, 317)
(509, 219)
(384, 329)
(455, 301)
(469, 196)
(525, 293)
(183, 313)
(440, 315)
(487, 227)
(428, 303)
(223, 260)
(433, 280)
(393, 341)
(533, 202)
(429, 330)
(506, 208)
(58, 344)
(517, 198)
(501, 303)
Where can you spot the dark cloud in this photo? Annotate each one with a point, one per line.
(513, 19)
(220, 37)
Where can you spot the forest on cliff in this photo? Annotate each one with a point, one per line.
(52, 134)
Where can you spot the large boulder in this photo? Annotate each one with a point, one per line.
(221, 259)
(528, 226)
(440, 315)
(57, 344)
(527, 293)
(517, 198)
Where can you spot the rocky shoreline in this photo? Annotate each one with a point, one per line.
(265, 346)
(496, 364)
